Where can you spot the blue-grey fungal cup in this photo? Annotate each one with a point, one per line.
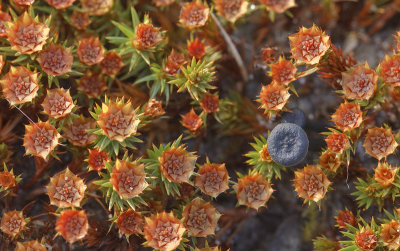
(287, 144)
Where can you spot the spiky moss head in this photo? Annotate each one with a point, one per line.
(287, 144)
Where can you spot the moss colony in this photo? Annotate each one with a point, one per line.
(199, 125)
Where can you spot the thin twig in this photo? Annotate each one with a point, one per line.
(38, 216)
(232, 49)
(96, 198)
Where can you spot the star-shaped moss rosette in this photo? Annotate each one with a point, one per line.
(13, 223)
(170, 165)
(195, 78)
(128, 222)
(390, 234)
(59, 106)
(212, 178)
(122, 184)
(335, 140)
(199, 49)
(252, 190)
(231, 10)
(41, 139)
(285, 72)
(57, 63)
(375, 190)
(141, 41)
(26, 34)
(96, 160)
(25, 45)
(363, 85)
(8, 181)
(273, 98)
(72, 225)
(118, 122)
(261, 161)
(362, 237)
(152, 109)
(163, 231)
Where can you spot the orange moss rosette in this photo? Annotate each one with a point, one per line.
(212, 179)
(111, 63)
(192, 121)
(7, 180)
(76, 132)
(80, 20)
(311, 183)
(129, 222)
(40, 139)
(163, 231)
(174, 62)
(273, 97)
(60, 4)
(90, 51)
(66, 189)
(345, 217)
(231, 10)
(72, 225)
(264, 155)
(196, 48)
(348, 116)
(279, 6)
(337, 142)
(19, 85)
(389, 70)
(385, 174)
(55, 60)
(93, 85)
(200, 218)
(4, 17)
(379, 142)
(118, 120)
(209, 103)
(390, 234)
(128, 179)
(177, 164)
(147, 36)
(366, 239)
(97, 158)
(194, 14)
(154, 108)
(58, 103)
(30, 246)
(283, 71)
(26, 35)
(360, 82)
(309, 45)
(97, 7)
(12, 223)
(329, 161)
(253, 190)
(267, 55)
